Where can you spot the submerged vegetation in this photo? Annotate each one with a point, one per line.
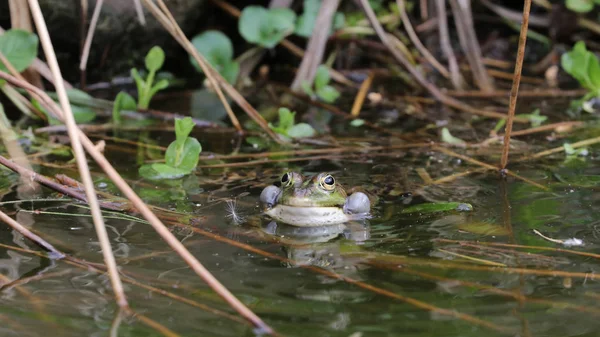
(358, 168)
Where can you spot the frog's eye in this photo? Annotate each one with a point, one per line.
(286, 179)
(327, 182)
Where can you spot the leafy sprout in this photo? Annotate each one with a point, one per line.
(288, 128)
(181, 157)
(266, 27)
(217, 48)
(321, 88)
(147, 88)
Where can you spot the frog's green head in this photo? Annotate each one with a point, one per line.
(320, 190)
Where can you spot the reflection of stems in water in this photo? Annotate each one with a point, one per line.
(499, 244)
(501, 292)
(470, 258)
(377, 290)
(98, 268)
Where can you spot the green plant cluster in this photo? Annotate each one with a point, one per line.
(181, 157)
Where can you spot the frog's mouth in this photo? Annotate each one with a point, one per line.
(311, 216)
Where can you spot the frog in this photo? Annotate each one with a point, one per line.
(312, 201)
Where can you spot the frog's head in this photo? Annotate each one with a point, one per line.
(320, 190)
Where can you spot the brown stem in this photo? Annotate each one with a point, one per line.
(515, 85)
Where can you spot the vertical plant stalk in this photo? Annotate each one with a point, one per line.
(463, 21)
(144, 210)
(362, 93)
(139, 10)
(84, 171)
(216, 80)
(85, 53)
(455, 76)
(433, 90)
(316, 45)
(415, 40)
(514, 91)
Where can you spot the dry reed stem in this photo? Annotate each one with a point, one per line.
(463, 20)
(412, 301)
(559, 149)
(139, 204)
(433, 90)
(90, 35)
(362, 94)
(316, 45)
(486, 166)
(216, 80)
(455, 76)
(69, 120)
(523, 93)
(31, 236)
(235, 12)
(417, 42)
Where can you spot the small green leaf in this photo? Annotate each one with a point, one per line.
(160, 85)
(580, 6)
(321, 77)
(19, 47)
(83, 114)
(306, 21)
(286, 118)
(328, 94)
(159, 171)
(438, 207)
(217, 48)
(357, 122)
(568, 148)
(184, 157)
(266, 27)
(183, 128)
(230, 71)
(139, 81)
(447, 137)
(155, 59)
(307, 89)
(301, 130)
(123, 101)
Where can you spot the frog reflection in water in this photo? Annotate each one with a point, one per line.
(312, 202)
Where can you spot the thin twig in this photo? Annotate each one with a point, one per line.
(90, 35)
(67, 116)
(146, 212)
(31, 236)
(456, 77)
(515, 86)
(415, 40)
(362, 94)
(419, 77)
(216, 80)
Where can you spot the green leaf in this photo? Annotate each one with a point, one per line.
(447, 137)
(217, 48)
(183, 128)
(307, 88)
(123, 101)
(230, 71)
(301, 130)
(286, 118)
(214, 46)
(438, 207)
(321, 77)
(328, 94)
(266, 27)
(583, 66)
(83, 114)
(139, 81)
(184, 157)
(19, 47)
(357, 122)
(580, 6)
(159, 171)
(155, 59)
(306, 21)
(160, 85)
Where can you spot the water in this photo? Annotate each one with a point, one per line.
(396, 275)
